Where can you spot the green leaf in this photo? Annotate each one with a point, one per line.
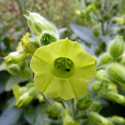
(29, 114)
(10, 116)
(12, 81)
(2, 66)
(40, 115)
(84, 34)
(3, 79)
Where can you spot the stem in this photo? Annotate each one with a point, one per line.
(21, 10)
(73, 108)
(48, 100)
(64, 104)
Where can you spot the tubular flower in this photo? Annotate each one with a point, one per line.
(62, 69)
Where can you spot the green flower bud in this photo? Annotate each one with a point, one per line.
(96, 32)
(14, 57)
(22, 64)
(120, 20)
(110, 87)
(38, 24)
(14, 69)
(116, 48)
(101, 75)
(26, 73)
(90, 8)
(53, 112)
(30, 85)
(98, 119)
(30, 44)
(96, 86)
(67, 119)
(59, 105)
(117, 119)
(23, 95)
(47, 38)
(106, 16)
(32, 91)
(40, 97)
(105, 58)
(116, 97)
(84, 101)
(96, 106)
(116, 73)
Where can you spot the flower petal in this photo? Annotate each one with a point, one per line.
(45, 53)
(67, 90)
(88, 72)
(79, 85)
(54, 88)
(38, 65)
(42, 80)
(83, 59)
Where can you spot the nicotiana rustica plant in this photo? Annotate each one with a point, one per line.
(57, 72)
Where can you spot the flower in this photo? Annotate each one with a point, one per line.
(29, 44)
(62, 69)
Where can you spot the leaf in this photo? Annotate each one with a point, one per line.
(84, 34)
(62, 30)
(105, 39)
(90, 50)
(29, 114)
(40, 115)
(12, 81)
(3, 79)
(10, 116)
(2, 66)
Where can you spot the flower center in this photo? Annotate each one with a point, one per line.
(63, 67)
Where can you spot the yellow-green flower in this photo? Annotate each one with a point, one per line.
(62, 69)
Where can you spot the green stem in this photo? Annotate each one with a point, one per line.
(73, 108)
(48, 100)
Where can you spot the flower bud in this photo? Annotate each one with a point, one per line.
(120, 20)
(116, 73)
(23, 95)
(32, 91)
(67, 119)
(47, 38)
(14, 69)
(38, 24)
(117, 119)
(59, 105)
(53, 112)
(101, 75)
(105, 58)
(90, 8)
(96, 86)
(116, 97)
(40, 97)
(116, 48)
(99, 120)
(80, 13)
(84, 101)
(26, 73)
(96, 106)
(110, 86)
(106, 16)
(14, 57)
(30, 44)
